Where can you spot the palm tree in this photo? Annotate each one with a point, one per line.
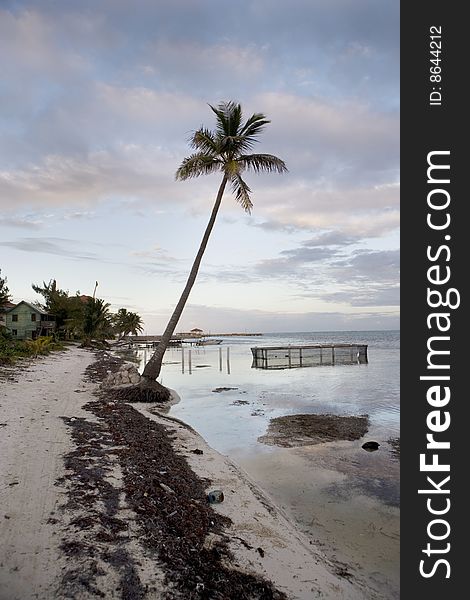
(127, 322)
(97, 320)
(227, 150)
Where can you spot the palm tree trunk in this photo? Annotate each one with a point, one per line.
(153, 367)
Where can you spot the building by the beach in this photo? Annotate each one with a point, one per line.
(25, 321)
(196, 331)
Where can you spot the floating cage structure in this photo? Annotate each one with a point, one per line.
(289, 357)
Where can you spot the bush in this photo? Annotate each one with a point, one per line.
(10, 349)
(39, 346)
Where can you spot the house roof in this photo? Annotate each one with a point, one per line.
(31, 306)
(196, 329)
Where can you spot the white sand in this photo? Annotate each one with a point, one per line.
(33, 441)
(32, 444)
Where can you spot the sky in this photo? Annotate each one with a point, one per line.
(97, 103)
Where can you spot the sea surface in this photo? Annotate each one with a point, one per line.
(357, 389)
(336, 492)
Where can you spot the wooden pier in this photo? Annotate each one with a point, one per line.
(289, 357)
(151, 341)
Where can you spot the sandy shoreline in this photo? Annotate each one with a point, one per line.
(32, 444)
(39, 406)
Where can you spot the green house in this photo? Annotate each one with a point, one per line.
(26, 321)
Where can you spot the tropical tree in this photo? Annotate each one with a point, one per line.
(4, 291)
(126, 322)
(97, 320)
(226, 150)
(68, 310)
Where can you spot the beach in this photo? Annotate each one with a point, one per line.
(103, 499)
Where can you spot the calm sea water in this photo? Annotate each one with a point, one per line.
(225, 419)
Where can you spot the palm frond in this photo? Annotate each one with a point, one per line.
(229, 118)
(204, 140)
(234, 117)
(242, 192)
(198, 164)
(236, 145)
(221, 121)
(254, 125)
(262, 162)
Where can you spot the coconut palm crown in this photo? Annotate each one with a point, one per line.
(227, 149)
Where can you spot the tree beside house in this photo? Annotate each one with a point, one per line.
(5, 301)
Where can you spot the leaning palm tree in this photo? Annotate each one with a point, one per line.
(227, 150)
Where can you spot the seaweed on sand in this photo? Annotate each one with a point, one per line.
(168, 501)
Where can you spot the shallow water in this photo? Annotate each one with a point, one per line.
(371, 388)
(355, 494)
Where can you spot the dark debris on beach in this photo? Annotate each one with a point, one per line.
(168, 500)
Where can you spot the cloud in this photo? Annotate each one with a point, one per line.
(332, 273)
(295, 264)
(331, 238)
(80, 215)
(272, 226)
(313, 130)
(197, 65)
(125, 172)
(158, 255)
(101, 138)
(58, 246)
(367, 295)
(23, 222)
(359, 212)
(366, 265)
(329, 274)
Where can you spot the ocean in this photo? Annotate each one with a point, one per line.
(371, 388)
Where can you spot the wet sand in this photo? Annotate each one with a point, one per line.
(355, 495)
(343, 499)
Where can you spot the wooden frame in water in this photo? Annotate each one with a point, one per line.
(288, 357)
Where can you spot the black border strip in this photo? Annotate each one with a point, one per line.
(429, 128)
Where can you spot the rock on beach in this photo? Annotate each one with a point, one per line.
(126, 375)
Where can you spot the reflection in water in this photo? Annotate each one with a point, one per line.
(187, 353)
